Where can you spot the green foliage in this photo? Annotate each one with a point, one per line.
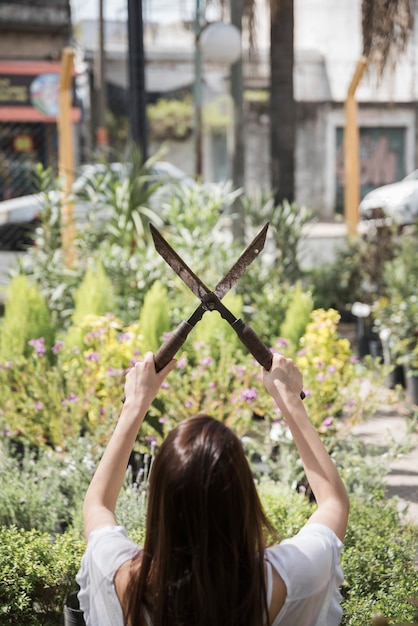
(154, 318)
(26, 317)
(286, 231)
(37, 573)
(297, 316)
(171, 119)
(378, 564)
(51, 404)
(331, 369)
(94, 296)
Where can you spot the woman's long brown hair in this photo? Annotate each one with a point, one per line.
(202, 562)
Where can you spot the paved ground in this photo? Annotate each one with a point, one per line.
(388, 425)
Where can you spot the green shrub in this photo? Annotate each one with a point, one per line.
(94, 296)
(26, 317)
(297, 316)
(37, 572)
(378, 561)
(154, 319)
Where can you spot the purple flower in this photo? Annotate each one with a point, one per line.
(207, 360)
(281, 342)
(353, 359)
(94, 334)
(328, 421)
(72, 398)
(163, 420)
(212, 385)
(39, 406)
(57, 347)
(249, 394)
(350, 403)
(188, 402)
(239, 370)
(320, 377)
(92, 356)
(125, 336)
(111, 371)
(165, 385)
(181, 363)
(151, 440)
(38, 345)
(332, 369)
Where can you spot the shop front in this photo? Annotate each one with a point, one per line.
(28, 122)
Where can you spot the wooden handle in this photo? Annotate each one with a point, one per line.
(171, 345)
(255, 345)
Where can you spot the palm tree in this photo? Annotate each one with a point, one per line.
(282, 105)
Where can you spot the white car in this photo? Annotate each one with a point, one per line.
(397, 201)
(19, 216)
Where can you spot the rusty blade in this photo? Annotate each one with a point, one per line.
(194, 283)
(178, 265)
(239, 268)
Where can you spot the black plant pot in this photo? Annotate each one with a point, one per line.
(395, 377)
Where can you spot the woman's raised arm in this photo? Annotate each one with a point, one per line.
(141, 386)
(284, 383)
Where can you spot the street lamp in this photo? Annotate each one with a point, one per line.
(215, 43)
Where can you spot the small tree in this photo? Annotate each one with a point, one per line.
(26, 317)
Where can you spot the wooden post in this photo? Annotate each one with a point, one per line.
(351, 152)
(66, 155)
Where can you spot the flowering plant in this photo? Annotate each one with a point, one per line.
(82, 391)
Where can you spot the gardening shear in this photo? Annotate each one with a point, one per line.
(211, 301)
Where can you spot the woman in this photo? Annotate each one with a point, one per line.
(204, 561)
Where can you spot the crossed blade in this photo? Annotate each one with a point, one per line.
(194, 283)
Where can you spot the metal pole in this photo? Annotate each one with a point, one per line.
(137, 91)
(197, 94)
(100, 83)
(238, 147)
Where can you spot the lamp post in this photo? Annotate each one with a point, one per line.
(218, 43)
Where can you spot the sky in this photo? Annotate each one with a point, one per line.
(153, 10)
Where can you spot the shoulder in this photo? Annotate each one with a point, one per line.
(307, 561)
(107, 549)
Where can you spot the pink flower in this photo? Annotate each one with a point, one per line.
(57, 347)
(281, 342)
(38, 345)
(249, 394)
(92, 356)
(207, 360)
(328, 421)
(181, 363)
(39, 406)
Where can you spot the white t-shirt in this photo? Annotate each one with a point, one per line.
(308, 563)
